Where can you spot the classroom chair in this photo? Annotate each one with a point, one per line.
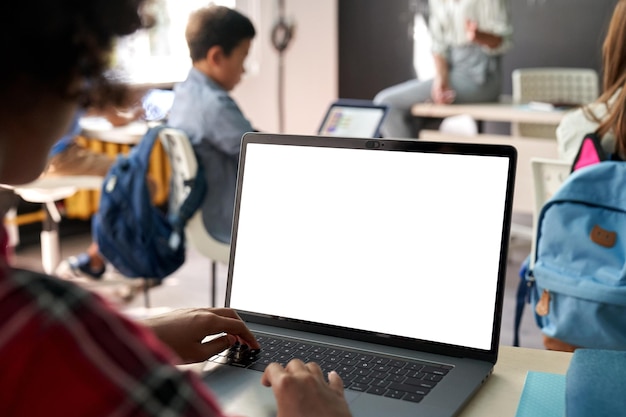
(571, 86)
(184, 166)
(47, 191)
(548, 175)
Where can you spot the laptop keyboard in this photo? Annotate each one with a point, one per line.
(379, 375)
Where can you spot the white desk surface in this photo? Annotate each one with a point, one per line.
(493, 112)
(100, 128)
(501, 393)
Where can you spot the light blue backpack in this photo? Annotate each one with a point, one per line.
(577, 285)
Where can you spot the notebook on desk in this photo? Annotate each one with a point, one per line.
(388, 254)
(353, 119)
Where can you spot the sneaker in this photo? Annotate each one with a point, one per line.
(79, 266)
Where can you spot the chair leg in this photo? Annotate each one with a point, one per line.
(146, 294)
(49, 240)
(13, 230)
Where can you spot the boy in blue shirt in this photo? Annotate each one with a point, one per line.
(219, 39)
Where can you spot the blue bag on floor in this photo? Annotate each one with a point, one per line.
(135, 236)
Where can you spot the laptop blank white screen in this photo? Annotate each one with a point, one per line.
(401, 243)
(353, 122)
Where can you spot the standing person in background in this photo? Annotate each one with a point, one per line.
(607, 115)
(219, 39)
(468, 40)
(63, 350)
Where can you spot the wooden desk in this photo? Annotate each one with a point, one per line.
(492, 112)
(100, 128)
(501, 393)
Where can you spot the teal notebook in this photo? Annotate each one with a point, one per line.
(543, 395)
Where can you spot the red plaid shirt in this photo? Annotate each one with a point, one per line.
(64, 352)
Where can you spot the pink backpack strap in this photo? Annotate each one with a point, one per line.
(589, 153)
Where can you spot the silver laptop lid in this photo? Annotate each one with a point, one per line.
(390, 241)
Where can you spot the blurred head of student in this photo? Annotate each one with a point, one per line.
(614, 77)
(55, 54)
(614, 49)
(219, 39)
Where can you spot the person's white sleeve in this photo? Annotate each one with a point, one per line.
(436, 28)
(571, 132)
(496, 20)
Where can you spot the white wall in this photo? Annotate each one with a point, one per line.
(310, 67)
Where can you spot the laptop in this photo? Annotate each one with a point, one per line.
(388, 253)
(157, 104)
(353, 118)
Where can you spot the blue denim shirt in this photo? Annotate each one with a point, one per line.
(215, 125)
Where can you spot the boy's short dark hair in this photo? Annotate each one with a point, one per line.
(216, 26)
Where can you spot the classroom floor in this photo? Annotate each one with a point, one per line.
(190, 286)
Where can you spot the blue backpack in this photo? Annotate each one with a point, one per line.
(577, 285)
(136, 237)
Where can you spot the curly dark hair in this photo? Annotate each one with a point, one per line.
(216, 26)
(66, 45)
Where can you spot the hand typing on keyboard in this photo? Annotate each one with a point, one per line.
(184, 330)
(242, 355)
(403, 380)
(300, 390)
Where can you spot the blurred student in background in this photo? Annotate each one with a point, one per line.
(468, 40)
(607, 115)
(219, 39)
(69, 157)
(64, 345)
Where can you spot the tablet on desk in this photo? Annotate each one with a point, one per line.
(157, 104)
(353, 119)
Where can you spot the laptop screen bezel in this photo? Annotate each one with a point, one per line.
(359, 104)
(385, 145)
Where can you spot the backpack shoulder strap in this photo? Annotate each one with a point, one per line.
(590, 152)
(141, 152)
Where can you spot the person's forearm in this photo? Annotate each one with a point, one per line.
(489, 40)
(441, 67)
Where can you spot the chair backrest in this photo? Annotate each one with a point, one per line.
(548, 175)
(563, 85)
(184, 166)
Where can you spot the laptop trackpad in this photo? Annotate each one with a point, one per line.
(240, 392)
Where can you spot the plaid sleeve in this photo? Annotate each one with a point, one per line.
(63, 350)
